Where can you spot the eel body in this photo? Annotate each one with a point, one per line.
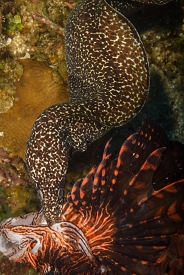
(108, 78)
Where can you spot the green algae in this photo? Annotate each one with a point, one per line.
(2, 64)
(5, 211)
(19, 200)
(12, 23)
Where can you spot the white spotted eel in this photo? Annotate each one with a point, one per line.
(108, 78)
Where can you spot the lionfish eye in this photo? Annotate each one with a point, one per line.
(40, 195)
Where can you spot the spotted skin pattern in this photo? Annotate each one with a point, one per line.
(108, 79)
(117, 220)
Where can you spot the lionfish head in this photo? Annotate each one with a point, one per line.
(29, 239)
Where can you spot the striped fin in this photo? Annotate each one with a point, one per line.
(89, 191)
(150, 137)
(146, 220)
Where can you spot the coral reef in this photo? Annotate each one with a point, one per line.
(34, 91)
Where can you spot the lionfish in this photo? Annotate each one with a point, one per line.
(121, 218)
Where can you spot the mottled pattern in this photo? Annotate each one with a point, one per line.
(108, 79)
(48, 153)
(110, 69)
(118, 220)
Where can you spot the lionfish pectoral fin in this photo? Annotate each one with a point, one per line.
(143, 235)
(144, 219)
(172, 166)
(150, 137)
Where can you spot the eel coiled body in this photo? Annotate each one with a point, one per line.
(108, 78)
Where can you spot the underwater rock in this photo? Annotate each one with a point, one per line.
(17, 195)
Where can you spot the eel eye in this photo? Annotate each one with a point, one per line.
(40, 195)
